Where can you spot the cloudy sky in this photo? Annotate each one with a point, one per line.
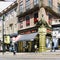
(4, 5)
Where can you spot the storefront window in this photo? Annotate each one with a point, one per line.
(48, 45)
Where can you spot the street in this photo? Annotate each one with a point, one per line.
(31, 56)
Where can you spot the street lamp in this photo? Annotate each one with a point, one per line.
(3, 33)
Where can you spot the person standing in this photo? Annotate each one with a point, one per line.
(52, 47)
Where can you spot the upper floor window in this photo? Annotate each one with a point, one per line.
(27, 4)
(11, 26)
(50, 2)
(35, 17)
(27, 20)
(21, 6)
(35, 2)
(59, 7)
(21, 24)
(20, 20)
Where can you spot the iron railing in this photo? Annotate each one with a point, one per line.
(28, 7)
(32, 5)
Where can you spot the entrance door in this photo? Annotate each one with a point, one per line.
(59, 43)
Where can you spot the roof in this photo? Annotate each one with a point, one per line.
(13, 5)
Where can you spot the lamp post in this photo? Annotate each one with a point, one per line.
(3, 33)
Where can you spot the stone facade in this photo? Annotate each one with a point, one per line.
(50, 6)
(11, 22)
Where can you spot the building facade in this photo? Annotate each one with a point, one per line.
(9, 0)
(24, 21)
(10, 23)
(56, 31)
(30, 12)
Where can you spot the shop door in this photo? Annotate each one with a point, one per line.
(59, 43)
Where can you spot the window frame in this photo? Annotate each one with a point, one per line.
(27, 4)
(27, 20)
(35, 17)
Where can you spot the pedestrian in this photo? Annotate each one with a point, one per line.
(52, 47)
(35, 47)
(14, 52)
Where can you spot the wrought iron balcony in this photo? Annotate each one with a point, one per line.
(33, 7)
(52, 9)
(28, 9)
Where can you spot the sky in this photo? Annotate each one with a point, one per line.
(4, 5)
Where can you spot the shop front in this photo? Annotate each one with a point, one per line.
(6, 42)
(27, 42)
(30, 42)
(58, 40)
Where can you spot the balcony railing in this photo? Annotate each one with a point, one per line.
(52, 8)
(29, 8)
(33, 7)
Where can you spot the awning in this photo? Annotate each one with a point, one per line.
(13, 35)
(27, 37)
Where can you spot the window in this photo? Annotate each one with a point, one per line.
(11, 26)
(20, 20)
(50, 2)
(35, 2)
(21, 6)
(50, 18)
(55, 21)
(59, 7)
(27, 4)
(15, 9)
(27, 20)
(21, 24)
(59, 20)
(35, 17)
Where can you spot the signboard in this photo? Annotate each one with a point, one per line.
(7, 39)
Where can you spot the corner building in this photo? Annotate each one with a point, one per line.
(29, 13)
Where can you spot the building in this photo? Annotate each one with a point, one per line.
(1, 0)
(0, 34)
(29, 13)
(8, 0)
(10, 23)
(56, 31)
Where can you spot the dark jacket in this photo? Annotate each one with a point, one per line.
(52, 43)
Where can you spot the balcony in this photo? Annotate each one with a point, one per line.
(28, 9)
(52, 9)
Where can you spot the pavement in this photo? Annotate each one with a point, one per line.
(31, 56)
(57, 52)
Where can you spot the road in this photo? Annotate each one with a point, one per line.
(31, 56)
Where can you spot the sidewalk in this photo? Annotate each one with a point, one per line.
(57, 52)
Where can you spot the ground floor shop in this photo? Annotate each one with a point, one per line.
(26, 45)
